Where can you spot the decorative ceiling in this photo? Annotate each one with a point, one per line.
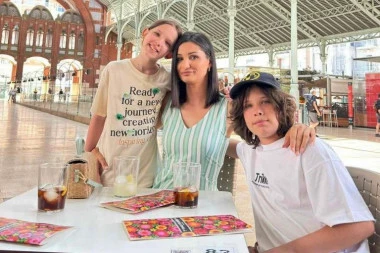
(260, 25)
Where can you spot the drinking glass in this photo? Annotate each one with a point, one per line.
(52, 187)
(186, 181)
(126, 171)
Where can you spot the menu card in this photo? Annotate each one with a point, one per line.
(35, 233)
(142, 203)
(146, 229)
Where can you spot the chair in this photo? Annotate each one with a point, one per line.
(226, 175)
(334, 118)
(326, 117)
(368, 184)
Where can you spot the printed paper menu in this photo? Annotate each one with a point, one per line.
(142, 203)
(35, 233)
(146, 229)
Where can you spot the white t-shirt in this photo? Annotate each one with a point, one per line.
(293, 196)
(130, 101)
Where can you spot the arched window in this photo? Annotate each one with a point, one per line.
(72, 40)
(62, 40)
(15, 35)
(40, 38)
(49, 38)
(80, 41)
(5, 35)
(29, 37)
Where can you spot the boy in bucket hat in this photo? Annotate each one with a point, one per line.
(305, 203)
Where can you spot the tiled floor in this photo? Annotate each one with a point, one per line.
(28, 137)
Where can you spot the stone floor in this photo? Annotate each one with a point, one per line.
(28, 137)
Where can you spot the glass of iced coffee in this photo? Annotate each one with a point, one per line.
(52, 187)
(186, 180)
(126, 171)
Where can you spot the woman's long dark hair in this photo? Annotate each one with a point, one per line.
(283, 103)
(179, 95)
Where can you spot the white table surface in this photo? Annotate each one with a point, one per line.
(100, 230)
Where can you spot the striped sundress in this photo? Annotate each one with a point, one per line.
(205, 142)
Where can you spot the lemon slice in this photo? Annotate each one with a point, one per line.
(64, 190)
(185, 190)
(130, 179)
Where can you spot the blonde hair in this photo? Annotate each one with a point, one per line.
(167, 22)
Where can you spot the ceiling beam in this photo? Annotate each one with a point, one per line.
(285, 23)
(285, 15)
(182, 21)
(332, 12)
(369, 10)
(330, 40)
(214, 9)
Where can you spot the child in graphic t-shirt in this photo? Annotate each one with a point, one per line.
(127, 105)
(306, 203)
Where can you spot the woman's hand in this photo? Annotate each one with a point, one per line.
(298, 137)
(226, 92)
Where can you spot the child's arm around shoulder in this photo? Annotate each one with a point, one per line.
(329, 239)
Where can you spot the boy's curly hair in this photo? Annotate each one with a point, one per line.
(283, 103)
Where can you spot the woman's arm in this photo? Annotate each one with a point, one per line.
(329, 239)
(231, 150)
(299, 137)
(229, 127)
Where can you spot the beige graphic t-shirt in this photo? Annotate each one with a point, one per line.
(130, 101)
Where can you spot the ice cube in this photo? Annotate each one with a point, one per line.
(51, 195)
(192, 189)
(120, 179)
(131, 189)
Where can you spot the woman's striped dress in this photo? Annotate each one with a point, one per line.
(204, 142)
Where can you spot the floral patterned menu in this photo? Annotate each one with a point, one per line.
(142, 203)
(12, 230)
(146, 229)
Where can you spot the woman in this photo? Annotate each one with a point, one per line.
(195, 119)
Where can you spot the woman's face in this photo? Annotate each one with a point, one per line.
(192, 64)
(158, 41)
(260, 116)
